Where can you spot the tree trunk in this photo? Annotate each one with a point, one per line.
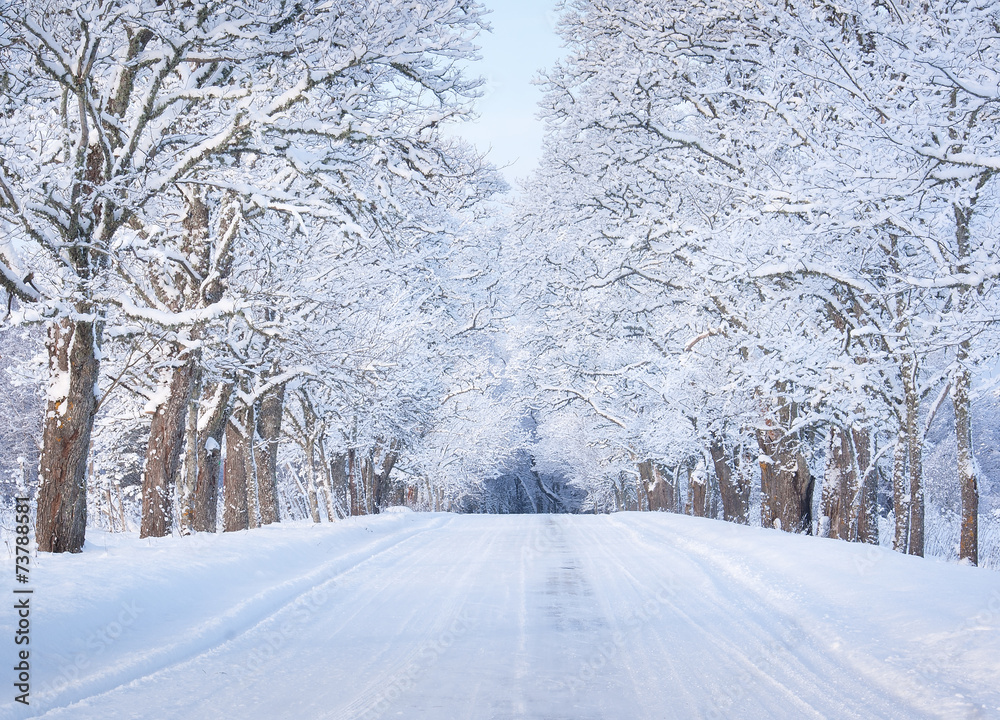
(659, 493)
(352, 481)
(190, 475)
(642, 492)
(865, 503)
(968, 481)
(838, 482)
(250, 458)
(900, 497)
(74, 369)
(697, 490)
(735, 491)
(367, 484)
(785, 483)
(914, 460)
(234, 481)
(338, 477)
(311, 480)
(675, 487)
(269, 428)
(213, 419)
(325, 483)
(961, 384)
(380, 478)
(163, 452)
(378, 486)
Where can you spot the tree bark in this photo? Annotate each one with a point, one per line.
(190, 474)
(968, 481)
(839, 481)
(311, 480)
(785, 483)
(914, 459)
(250, 458)
(325, 482)
(269, 429)
(352, 481)
(170, 425)
(338, 477)
(642, 493)
(733, 488)
(380, 478)
(697, 490)
(866, 493)
(234, 481)
(163, 452)
(214, 416)
(74, 369)
(658, 492)
(900, 496)
(961, 385)
(376, 484)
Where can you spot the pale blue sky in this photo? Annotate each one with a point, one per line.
(522, 42)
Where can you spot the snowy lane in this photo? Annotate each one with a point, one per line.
(577, 617)
(715, 647)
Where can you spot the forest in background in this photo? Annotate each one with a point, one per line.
(250, 278)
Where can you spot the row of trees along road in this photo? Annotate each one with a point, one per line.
(762, 237)
(766, 233)
(224, 210)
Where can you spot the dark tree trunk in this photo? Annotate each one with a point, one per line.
(900, 498)
(311, 490)
(69, 420)
(234, 483)
(190, 469)
(379, 486)
(380, 478)
(338, 478)
(914, 460)
(961, 385)
(323, 471)
(214, 418)
(655, 490)
(250, 458)
(785, 484)
(269, 428)
(697, 491)
(838, 484)
(163, 453)
(170, 425)
(866, 513)
(367, 484)
(675, 488)
(352, 481)
(967, 481)
(642, 492)
(733, 488)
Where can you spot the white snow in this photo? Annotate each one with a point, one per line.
(59, 385)
(416, 615)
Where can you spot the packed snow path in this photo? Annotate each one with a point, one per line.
(441, 616)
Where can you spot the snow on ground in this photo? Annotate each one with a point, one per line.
(444, 616)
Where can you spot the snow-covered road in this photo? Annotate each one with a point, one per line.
(443, 616)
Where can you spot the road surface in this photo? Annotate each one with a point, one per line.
(501, 617)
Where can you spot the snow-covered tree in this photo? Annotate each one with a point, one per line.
(127, 108)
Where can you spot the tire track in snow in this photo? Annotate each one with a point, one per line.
(649, 675)
(224, 627)
(563, 624)
(369, 701)
(710, 657)
(799, 662)
(539, 599)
